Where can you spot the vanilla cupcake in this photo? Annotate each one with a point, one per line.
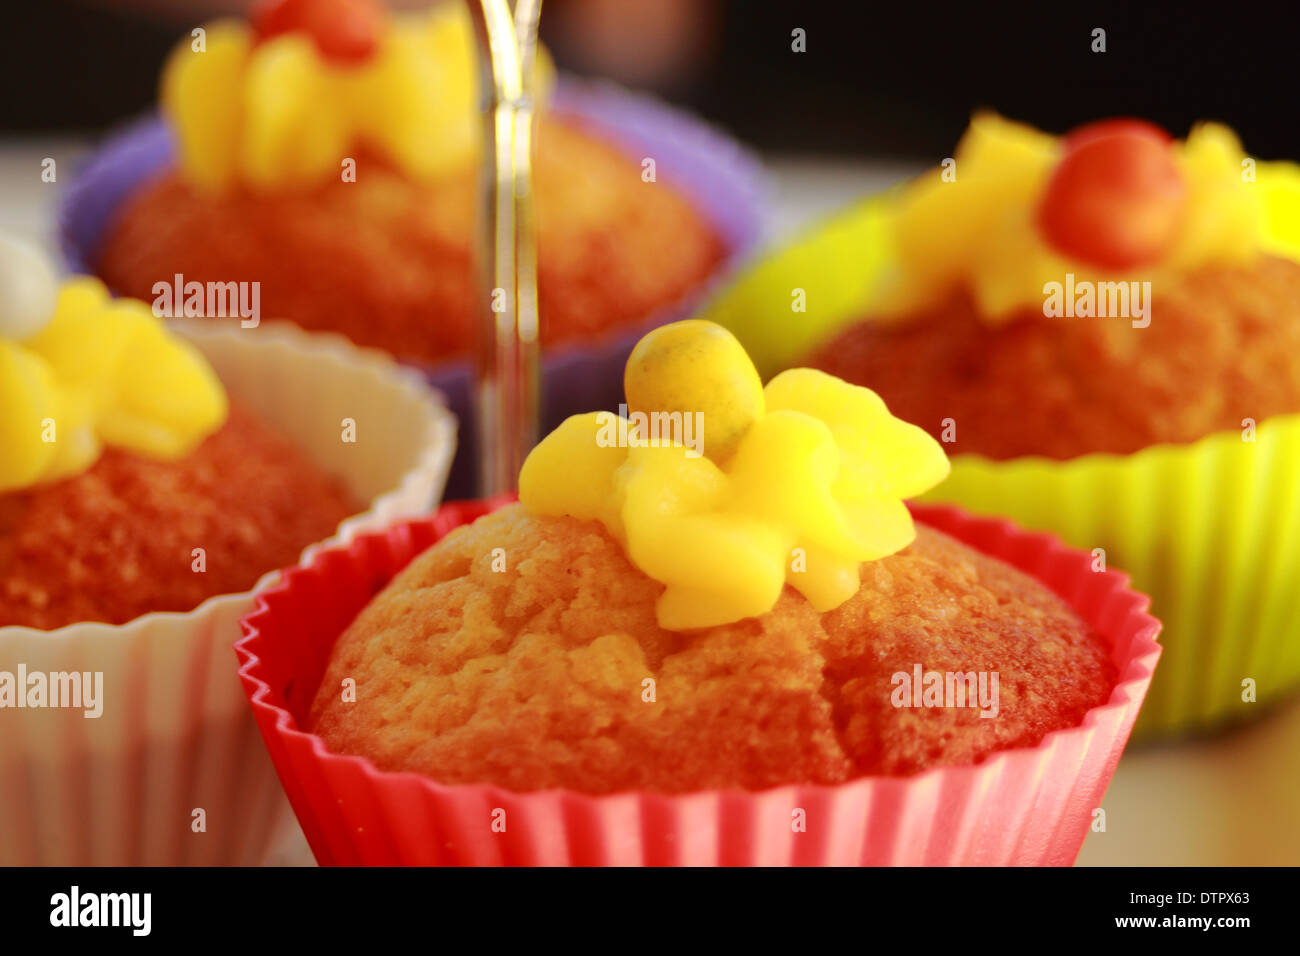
(722, 644)
(1104, 330)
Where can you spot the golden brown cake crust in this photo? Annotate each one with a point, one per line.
(388, 263)
(1221, 347)
(116, 541)
(532, 677)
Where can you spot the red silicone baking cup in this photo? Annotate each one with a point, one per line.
(1027, 806)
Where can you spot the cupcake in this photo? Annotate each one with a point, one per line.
(1104, 328)
(150, 477)
(709, 632)
(343, 176)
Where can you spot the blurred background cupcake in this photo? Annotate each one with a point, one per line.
(329, 150)
(149, 479)
(1104, 329)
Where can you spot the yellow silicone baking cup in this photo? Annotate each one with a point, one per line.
(1210, 529)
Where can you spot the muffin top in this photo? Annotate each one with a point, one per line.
(333, 160)
(117, 540)
(611, 248)
(1223, 346)
(128, 483)
(533, 670)
(741, 602)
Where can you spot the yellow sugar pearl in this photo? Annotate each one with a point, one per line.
(697, 366)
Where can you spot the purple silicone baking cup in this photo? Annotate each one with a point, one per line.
(722, 179)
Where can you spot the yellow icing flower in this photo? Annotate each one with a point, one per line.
(278, 114)
(812, 488)
(973, 223)
(101, 371)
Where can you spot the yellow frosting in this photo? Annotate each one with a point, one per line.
(978, 231)
(813, 486)
(279, 115)
(102, 371)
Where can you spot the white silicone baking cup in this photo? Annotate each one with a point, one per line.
(176, 735)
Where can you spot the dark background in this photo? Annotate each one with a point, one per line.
(878, 79)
